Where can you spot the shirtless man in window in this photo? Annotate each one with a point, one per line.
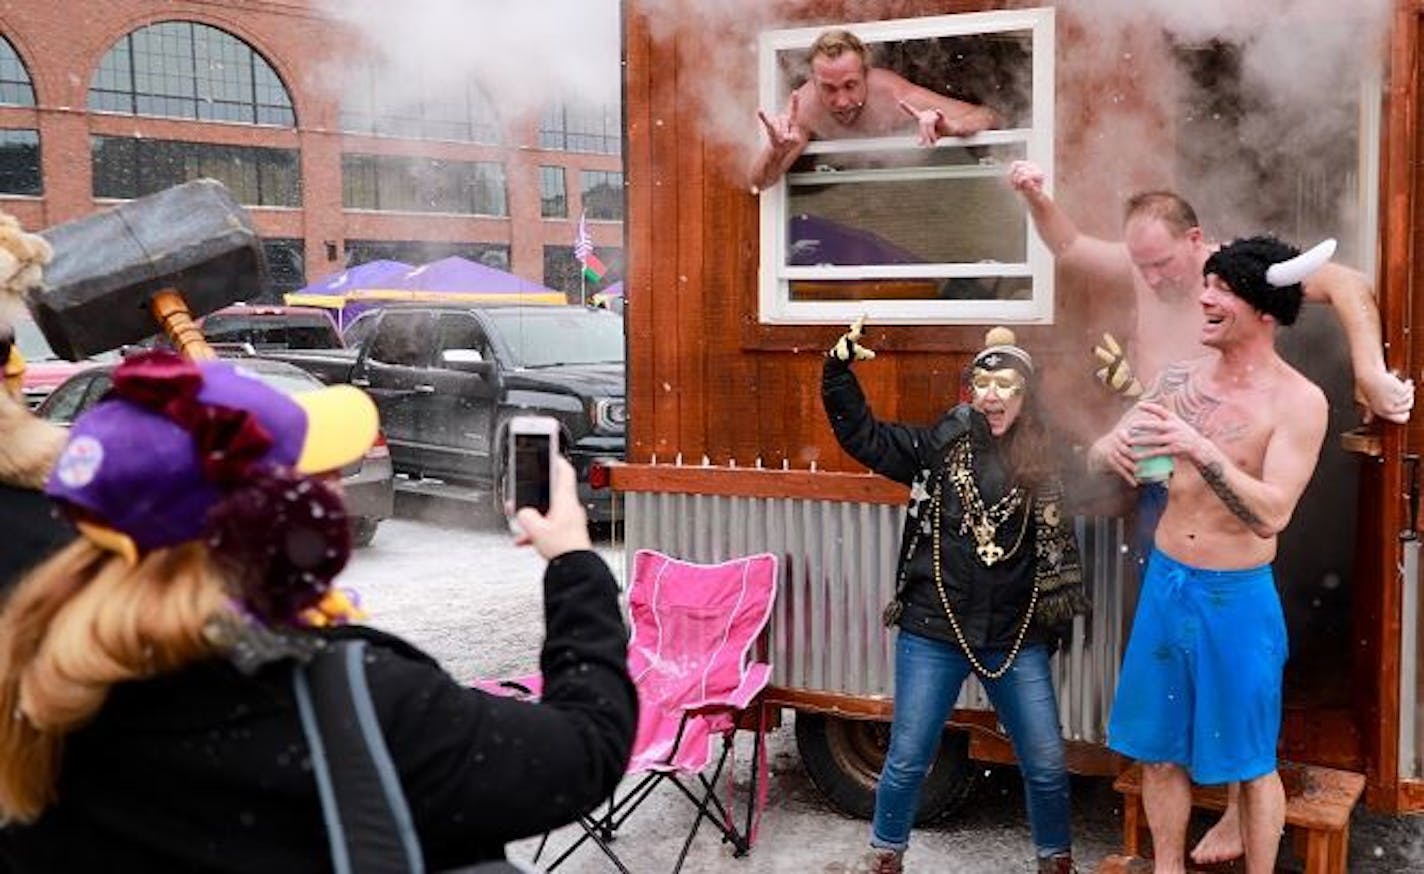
(846, 98)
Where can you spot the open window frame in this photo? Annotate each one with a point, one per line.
(776, 304)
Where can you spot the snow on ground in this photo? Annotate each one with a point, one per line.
(471, 599)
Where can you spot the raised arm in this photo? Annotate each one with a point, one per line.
(1349, 293)
(892, 450)
(938, 115)
(786, 139)
(1074, 250)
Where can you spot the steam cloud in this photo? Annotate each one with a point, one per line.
(525, 55)
(1265, 145)
(1296, 68)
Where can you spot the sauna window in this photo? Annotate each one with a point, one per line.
(904, 233)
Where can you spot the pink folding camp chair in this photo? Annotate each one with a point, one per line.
(694, 628)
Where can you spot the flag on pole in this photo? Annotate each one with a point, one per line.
(593, 268)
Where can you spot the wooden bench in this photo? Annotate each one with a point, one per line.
(1125, 865)
(1318, 805)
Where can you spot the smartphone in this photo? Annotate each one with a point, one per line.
(533, 441)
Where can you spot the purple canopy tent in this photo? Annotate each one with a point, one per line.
(452, 279)
(333, 292)
(470, 280)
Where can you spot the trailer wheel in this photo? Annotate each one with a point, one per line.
(844, 756)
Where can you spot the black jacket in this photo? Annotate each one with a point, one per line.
(33, 530)
(988, 601)
(207, 769)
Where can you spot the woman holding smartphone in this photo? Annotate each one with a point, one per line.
(146, 671)
(988, 574)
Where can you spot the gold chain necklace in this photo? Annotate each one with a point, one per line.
(974, 662)
(978, 520)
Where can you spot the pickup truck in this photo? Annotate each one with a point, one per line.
(448, 377)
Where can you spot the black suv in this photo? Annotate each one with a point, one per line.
(448, 378)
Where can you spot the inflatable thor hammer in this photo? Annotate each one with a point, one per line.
(149, 265)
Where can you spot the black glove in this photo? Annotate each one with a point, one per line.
(848, 348)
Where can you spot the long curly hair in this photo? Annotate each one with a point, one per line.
(77, 625)
(1028, 446)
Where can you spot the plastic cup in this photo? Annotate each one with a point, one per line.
(1157, 469)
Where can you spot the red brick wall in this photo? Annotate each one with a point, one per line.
(61, 42)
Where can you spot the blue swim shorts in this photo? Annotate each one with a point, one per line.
(1201, 680)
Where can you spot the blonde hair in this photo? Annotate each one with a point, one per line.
(77, 625)
(833, 43)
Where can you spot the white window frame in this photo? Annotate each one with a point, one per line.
(775, 305)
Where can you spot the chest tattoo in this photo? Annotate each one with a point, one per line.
(1180, 389)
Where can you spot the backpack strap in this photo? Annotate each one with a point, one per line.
(368, 823)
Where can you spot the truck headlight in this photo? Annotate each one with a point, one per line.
(609, 415)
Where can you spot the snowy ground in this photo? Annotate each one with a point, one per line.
(472, 600)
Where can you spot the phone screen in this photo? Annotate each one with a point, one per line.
(531, 471)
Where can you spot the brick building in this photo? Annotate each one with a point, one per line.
(106, 101)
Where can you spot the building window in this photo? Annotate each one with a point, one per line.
(126, 168)
(906, 234)
(15, 87)
(20, 162)
(286, 268)
(417, 252)
(438, 110)
(182, 69)
(553, 199)
(597, 129)
(602, 194)
(563, 273)
(398, 183)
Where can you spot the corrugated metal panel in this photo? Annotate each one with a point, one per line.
(837, 566)
(1411, 681)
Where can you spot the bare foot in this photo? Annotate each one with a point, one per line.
(1221, 843)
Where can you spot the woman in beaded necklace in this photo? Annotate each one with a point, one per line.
(988, 578)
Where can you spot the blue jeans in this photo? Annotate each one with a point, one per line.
(928, 674)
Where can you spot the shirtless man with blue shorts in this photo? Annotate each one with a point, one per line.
(1200, 691)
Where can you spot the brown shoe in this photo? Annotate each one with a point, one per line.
(873, 862)
(1062, 863)
(885, 862)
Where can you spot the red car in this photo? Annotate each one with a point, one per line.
(44, 370)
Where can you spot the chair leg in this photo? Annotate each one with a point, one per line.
(590, 833)
(752, 795)
(709, 796)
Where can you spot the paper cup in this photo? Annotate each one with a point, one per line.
(1157, 469)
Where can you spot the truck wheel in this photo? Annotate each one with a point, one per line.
(498, 484)
(363, 531)
(844, 757)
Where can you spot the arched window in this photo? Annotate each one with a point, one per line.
(182, 69)
(15, 87)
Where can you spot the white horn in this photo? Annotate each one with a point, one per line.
(1298, 268)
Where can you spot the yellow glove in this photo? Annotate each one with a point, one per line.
(1115, 372)
(848, 347)
(336, 607)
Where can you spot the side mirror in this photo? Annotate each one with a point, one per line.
(466, 361)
